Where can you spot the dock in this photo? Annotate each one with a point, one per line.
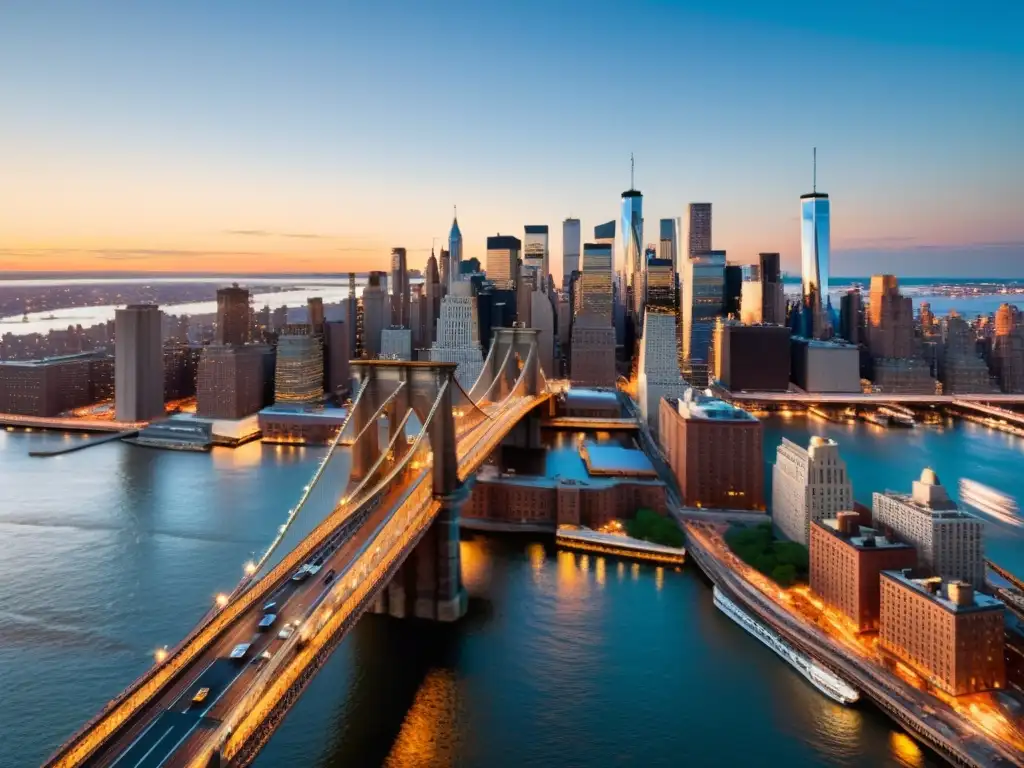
(83, 444)
(586, 540)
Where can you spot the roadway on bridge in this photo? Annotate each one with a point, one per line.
(171, 730)
(147, 744)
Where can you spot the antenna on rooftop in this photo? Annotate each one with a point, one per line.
(632, 170)
(815, 177)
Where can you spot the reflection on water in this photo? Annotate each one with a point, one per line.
(428, 735)
(906, 750)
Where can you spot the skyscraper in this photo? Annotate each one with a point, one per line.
(503, 260)
(315, 310)
(732, 290)
(593, 336)
(454, 252)
(605, 234)
(632, 246)
(458, 335)
(375, 314)
(808, 485)
(595, 285)
(138, 363)
(400, 296)
(658, 365)
(703, 293)
(815, 250)
(770, 270)
(232, 315)
(660, 286)
(668, 245)
(432, 284)
(570, 250)
(299, 369)
(535, 251)
(445, 270)
(699, 237)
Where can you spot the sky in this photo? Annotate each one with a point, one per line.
(248, 136)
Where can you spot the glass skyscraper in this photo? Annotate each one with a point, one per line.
(660, 284)
(703, 297)
(632, 245)
(503, 260)
(668, 243)
(699, 236)
(596, 283)
(814, 260)
(535, 251)
(570, 250)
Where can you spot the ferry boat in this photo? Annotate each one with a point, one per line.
(873, 417)
(824, 680)
(990, 502)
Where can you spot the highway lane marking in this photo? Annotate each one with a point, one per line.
(136, 740)
(166, 733)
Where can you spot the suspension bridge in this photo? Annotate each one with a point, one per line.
(413, 438)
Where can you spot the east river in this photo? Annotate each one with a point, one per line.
(564, 660)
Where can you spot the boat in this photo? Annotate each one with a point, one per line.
(897, 418)
(821, 678)
(873, 417)
(990, 502)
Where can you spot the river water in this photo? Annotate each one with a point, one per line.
(564, 659)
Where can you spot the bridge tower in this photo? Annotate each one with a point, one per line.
(428, 585)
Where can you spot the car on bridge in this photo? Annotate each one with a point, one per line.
(201, 695)
(267, 621)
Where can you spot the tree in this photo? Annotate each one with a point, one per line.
(784, 574)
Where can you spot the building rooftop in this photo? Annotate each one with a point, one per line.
(616, 460)
(536, 229)
(56, 359)
(694, 405)
(939, 592)
(580, 397)
(825, 344)
(860, 537)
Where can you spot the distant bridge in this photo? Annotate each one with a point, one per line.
(68, 424)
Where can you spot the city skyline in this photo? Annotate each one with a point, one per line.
(203, 147)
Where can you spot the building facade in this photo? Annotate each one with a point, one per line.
(824, 366)
(571, 241)
(138, 363)
(231, 381)
(454, 254)
(400, 294)
(715, 451)
(458, 335)
(948, 633)
(702, 303)
(698, 239)
(815, 254)
(45, 387)
(846, 561)
(299, 371)
(808, 485)
(503, 260)
(632, 255)
(658, 366)
(949, 542)
(754, 358)
(232, 315)
(535, 251)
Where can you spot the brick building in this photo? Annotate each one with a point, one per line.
(846, 560)
(714, 450)
(230, 383)
(45, 387)
(948, 633)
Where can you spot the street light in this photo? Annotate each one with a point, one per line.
(160, 654)
(221, 600)
(250, 568)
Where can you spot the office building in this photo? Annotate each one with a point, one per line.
(754, 358)
(46, 387)
(633, 246)
(949, 542)
(703, 293)
(846, 561)
(948, 633)
(315, 314)
(396, 344)
(337, 379)
(762, 302)
(895, 352)
(376, 314)
(698, 239)
(542, 318)
(1007, 356)
(181, 364)
(851, 316)
(458, 335)
(824, 366)
(299, 372)
(535, 252)
(503, 260)
(714, 450)
(401, 298)
(732, 285)
(571, 240)
(815, 254)
(668, 244)
(658, 366)
(445, 270)
(231, 381)
(660, 286)
(961, 369)
(770, 267)
(138, 363)
(808, 484)
(593, 336)
(232, 315)
(454, 253)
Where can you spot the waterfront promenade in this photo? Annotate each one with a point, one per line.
(980, 741)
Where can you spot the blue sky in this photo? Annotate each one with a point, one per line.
(146, 135)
